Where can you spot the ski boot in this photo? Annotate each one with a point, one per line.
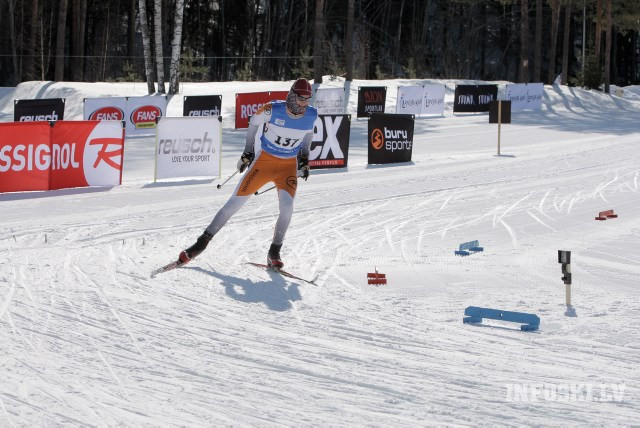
(190, 253)
(273, 257)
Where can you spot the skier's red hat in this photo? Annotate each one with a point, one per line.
(302, 88)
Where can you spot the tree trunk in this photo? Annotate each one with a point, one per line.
(396, 60)
(30, 63)
(62, 24)
(348, 44)
(537, 62)
(565, 43)
(555, 17)
(607, 52)
(174, 75)
(598, 42)
(524, 41)
(317, 45)
(12, 35)
(131, 31)
(78, 21)
(146, 44)
(157, 25)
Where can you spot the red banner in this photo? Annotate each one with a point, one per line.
(248, 104)
(25, 156)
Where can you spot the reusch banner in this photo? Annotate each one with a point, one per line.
(330, 144)
(330, 101)
(474, 98)
(390, 138)
(188, 147)
(47, 109)
(248, 104)
(409, 100)
(202, 105)
(525, 96)
(142, 113)
(109, 108)
(433, 99)
(371, 99)
(43, 156)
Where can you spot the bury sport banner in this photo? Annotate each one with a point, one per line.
(188, 147)
(330, 144)
(330, 101)
(474, 98)
(38, 110)
(39, 156)
(409, 100)
(248, 104)
(109, 108)
(371, 99)
(202, 105)
(142, 114)
(433, 99)
(390, 138)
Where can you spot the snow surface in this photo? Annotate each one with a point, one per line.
(88, 338)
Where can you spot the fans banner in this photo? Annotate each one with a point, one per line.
(525, 96)
(202, 105)
(371, 99)
(474, 98)
(390, 138)
(110, 108)
(409, 100)
(188, 147)
(330, 101)
(433, 99)
(38, 110)
(330, 144)
(248, 104)
(39, 156)
(142, 114)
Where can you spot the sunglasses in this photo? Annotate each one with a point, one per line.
(301, 98)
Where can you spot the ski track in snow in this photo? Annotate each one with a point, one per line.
(90, 339)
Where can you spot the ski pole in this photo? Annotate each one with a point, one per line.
(225, 181)
(264, 191)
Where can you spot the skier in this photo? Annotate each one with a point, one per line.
(287, 133)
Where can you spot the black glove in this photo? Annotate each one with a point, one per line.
(303, 167)
(245, 161)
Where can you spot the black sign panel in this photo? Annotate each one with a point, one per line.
(390, 138)
(505, 111)
(371, 100)
(330, 145)
(38, 110)
(202, 105)
(474, 98)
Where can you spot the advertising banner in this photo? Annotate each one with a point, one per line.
(188, 147)
(330, 101)
(409, 100)
(202, 105)
(474, 98)
(525, 96)
(142, 113)
(38, 110)
(37, 156)
(371, 99)
(248, 104)
(390, 138)
(109, 108)
(433, 99)
(330, 144)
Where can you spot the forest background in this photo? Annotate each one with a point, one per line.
(590, 43)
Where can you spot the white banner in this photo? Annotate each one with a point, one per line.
(433, 99)
(330, 101)
(110, 108)
(409, 100)
(142, 113)
(188, 147)
(525, 96)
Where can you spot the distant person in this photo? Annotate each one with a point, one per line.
(287, 133)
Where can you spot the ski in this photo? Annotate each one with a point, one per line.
(284, 273)
(166, 268)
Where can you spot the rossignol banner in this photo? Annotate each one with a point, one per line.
(202, 105)
(433, 99)
(371, 100)
(474, 98)
(525, 96)
(47, 109)
(390, 138)
(330, 144)
(40, 156)
(110, 108)
(142, 114)
(248, 104)
(330, 101)
(188, 147)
